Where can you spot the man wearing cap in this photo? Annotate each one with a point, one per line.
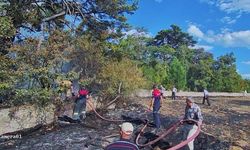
(192, 112)
(126, 130)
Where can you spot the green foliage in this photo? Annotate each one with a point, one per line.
(246, 85)
(32, 73)
(173, 37)
(7, 78)
(177, 74)
(85, 82)
(124, 74)
(200, 71)
(39, 97)
(130, 47)
(225, 76)
(156, 74)
(6, 27)
(36, 70)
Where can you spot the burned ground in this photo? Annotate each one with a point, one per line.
(226, 123)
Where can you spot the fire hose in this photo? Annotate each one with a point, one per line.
(165, 133)
(169, 130)
(110, 120)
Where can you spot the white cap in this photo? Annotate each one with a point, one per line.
(127, 128)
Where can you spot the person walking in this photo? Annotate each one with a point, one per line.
(162, 90)
(126, 131)
(156, 105)
(174, 90)
(206, 97)
(192, 112)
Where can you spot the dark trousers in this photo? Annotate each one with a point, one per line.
(79, 109)
(156, 114)
(204, 99)
(173, 95)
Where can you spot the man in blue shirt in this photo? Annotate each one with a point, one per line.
(126, 131)
(192, 112)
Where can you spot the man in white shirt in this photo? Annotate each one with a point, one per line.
(205, 97)
(174, 90)
(162, 90)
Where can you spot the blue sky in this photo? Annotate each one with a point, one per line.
(219, 26)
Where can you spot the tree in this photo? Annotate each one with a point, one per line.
(157, 73)
(226, 77)
(129, 46)
(120, 77)
(96, 17)
(173, 37)
(200, 71)
(35, 64)
(246, 86)
(177, 74)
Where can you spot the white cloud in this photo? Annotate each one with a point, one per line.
(228, 20)
(210, 2)
(137, 33)
(235, 39)
(205, 47)
(158, 1)
(245, 76)
(246, 62)
(226, 39)
(230, 6)
(195, 31)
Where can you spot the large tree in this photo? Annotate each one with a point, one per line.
(226, 77)
(173, 37)
(200, 71)
(101, 18)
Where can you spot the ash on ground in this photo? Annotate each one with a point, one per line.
(94, 134)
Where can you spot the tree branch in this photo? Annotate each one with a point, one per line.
(116, 98)
(54, 16)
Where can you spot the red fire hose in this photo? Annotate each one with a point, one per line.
(111, 120)
(169, 130)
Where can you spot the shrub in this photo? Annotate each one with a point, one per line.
(122, 74)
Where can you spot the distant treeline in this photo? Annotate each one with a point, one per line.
(45, 43)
